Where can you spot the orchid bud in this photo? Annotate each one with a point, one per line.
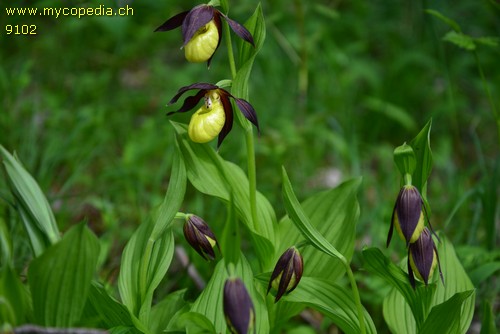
(238, 307)
(208, 121)
(408, 215)
(423, 258)
(287, 273)
(200, 237)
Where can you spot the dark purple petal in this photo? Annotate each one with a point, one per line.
(240, 30)
(189, 103)
(173, 22)
(228, 110)
(195, 19)
(248, 111)
(410, 274)
(439, 263)
(391, 228)
(198, 85)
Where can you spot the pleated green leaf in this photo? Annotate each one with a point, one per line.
(212, 175)
(445, 317)
(112, 313)
(418, 300)
(144, 264)
(31, 204)
(334, 301)
(14, 298)
(398, 314)
(163, 312)
(209, 303)
(334, 214)
(196, 323)
(60, 278)
(302, 221)
(147, 256)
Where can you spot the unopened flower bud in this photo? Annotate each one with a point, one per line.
(207, 122)
(423, 258)
(408, 215)
(287, 272)
(200, 237)
(238, 307)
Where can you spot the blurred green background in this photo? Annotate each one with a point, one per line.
(337, 86)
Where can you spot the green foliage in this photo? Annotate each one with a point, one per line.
(334, 95)
(63, 271)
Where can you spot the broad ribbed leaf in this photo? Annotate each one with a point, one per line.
(164, 311)
(334, 214)
(418, 300)
(334, 301)
(196, 323)
(212, 175)
(445, 317)
(397, 313)
(14, 299)
(148, 253)
(209, 303)
(302, 221)
(60, 278)
(112, 312)
(31, 203)
(144, 264)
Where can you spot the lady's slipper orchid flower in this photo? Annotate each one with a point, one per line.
(200, 237)
(423, 259)
(287, 273)
(215, 117)
(408, 215)
(238, 307)
(201, 31)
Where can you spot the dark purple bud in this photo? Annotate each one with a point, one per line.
(238, 307)
(287, 273)
(423, 258)
(200, 237)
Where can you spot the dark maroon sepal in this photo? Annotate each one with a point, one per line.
(240, 30)
(410, 274)
(248, 111)
(173, 22)
(189, 103)
(195, 19)
(198, 85)
(228, 124)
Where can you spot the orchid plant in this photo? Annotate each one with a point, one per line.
(288, 264)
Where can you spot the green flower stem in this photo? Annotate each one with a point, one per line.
(252, 174)
(407, 179)
(357, 299)
(230, 53)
